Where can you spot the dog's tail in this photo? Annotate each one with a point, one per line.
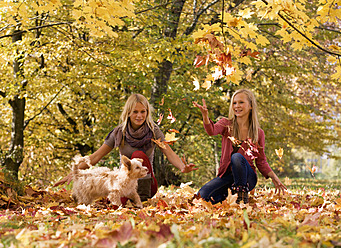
(77, 160)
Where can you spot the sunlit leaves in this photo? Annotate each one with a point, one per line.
(175, 216)
(100, 17)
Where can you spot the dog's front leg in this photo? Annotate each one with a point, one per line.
(114, 198)
(134, 196)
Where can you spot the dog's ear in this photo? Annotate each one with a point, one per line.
(126, 162)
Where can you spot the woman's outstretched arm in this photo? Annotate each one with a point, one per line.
(94, 158)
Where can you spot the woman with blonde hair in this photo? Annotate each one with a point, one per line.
(133, 136)
(242, 148)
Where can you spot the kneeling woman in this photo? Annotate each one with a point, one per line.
(242, 144)
(133, 138)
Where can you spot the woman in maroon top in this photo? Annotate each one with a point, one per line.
(242, 148)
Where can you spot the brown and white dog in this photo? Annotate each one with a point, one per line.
(92, 184)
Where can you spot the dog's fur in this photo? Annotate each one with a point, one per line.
(92, 184)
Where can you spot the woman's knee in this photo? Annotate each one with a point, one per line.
(204, 193)
(237, 159)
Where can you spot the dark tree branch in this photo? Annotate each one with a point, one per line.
(303, 35)
(32, 118)
(185, 123)
(329, 29)
(36, 28)
(68, 118)
(155, 7)
(72, 38)
(3, 94)
(190, 29)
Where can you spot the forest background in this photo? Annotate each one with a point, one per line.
(67, 68)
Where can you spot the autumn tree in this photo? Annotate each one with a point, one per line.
(41, 43)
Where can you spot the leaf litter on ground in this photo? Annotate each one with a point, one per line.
(174, 217)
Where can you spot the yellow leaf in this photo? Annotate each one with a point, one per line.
(207, 84)
(331, 59)
(297, 45)
(262, 40)
(337, 75)
(334, 47)
(246, 13)
(170, 137)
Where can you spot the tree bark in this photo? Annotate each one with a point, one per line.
(161, 79)
(15, 154)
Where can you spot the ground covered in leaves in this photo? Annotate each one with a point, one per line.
(304, 217)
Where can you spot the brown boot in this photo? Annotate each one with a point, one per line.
(243, 196)
(243, 193)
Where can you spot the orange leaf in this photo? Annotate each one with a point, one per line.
(159, 143)
(162, 101)
(173, 130)
(160, 119)
(214, 43)
(162, 204)
(170, 116)
(279, 152)
(199, 61)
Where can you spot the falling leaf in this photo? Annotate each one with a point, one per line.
(218, 73)
(173, 130)
(249, 53)
(212, 41)
(312, 170)
(234, 141)
(171, 117)
(196, 84)
(250, 153)
(279, 152)
(200, 60)
(159, 143)
(162, 101)
(207, 84)
(170, 138)
(160, 119)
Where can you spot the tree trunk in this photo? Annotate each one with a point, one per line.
(15, 154)
(161, 79)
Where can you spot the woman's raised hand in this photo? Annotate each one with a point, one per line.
(204, 111)
(203, 107)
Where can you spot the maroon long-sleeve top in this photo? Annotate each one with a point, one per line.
(222, 127)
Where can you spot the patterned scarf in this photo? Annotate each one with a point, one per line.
(140, 138)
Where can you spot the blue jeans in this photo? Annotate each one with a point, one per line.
(241, 175)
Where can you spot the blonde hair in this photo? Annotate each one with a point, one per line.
(253, 116)
(129, 107)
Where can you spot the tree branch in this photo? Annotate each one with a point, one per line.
(32, 118)
(302, 34)
(35, 28)
(155, 7)
(329, 29)
(197, 16)
(68, 118)
(3, 94)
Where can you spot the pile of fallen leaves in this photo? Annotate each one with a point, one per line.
(172, 218)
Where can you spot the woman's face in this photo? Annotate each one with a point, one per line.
(241, 105)
(138, 116)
